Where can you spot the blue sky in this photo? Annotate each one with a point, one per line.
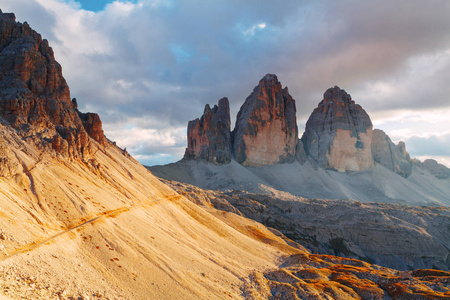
(93, 5)
(149, 66)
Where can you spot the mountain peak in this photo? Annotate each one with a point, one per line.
(34, 96)
(209, 137)
(338, 133)
(272, 78)
(9, 17)
(266, 130)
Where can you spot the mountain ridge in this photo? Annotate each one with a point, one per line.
(81, 219)
(338, 138)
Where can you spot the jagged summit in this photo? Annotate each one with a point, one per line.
(265, 133)
(34, 96)
(209, 137)
(338, 138)
(10, 17)
(271, 79)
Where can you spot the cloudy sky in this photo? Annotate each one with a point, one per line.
(149, 66)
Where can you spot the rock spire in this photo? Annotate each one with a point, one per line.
(338, 133)
(209, 137)
(266, 130)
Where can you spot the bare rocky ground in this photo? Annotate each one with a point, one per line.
(396, 236)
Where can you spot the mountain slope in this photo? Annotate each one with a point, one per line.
(114, 231)
(113, 228)
(81, 219)
(396, 236)
(376, 185)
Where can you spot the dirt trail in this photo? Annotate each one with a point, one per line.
(106, 214)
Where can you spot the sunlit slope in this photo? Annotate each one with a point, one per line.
(108, 227)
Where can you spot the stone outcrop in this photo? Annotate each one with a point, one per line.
(34, 96)
(209, 137)
(266, 130)
(386, 153)
(338, 133)
(91, 123)
(436, 169)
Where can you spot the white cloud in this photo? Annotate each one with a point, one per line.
(252, 30)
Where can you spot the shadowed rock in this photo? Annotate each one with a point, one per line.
(338, 133)
(209, 137)
(436, 169)
(386, 153)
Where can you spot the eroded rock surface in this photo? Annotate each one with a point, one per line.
(394, 157)
(209, 137)
(338, 133)
(266, 130)
(34, 96)
(321, 277)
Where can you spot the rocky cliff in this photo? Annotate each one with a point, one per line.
(34, 96)
(266, 130)
(338, 133)
(386, 153)
(209, 137)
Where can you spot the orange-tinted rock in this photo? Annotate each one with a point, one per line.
(309, 276)
(209, 137)
(338, 133)
(34, 96)
(92, 124)
(266, 130)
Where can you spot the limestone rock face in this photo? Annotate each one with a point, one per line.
(34, 96)
(266, 130)
(438, 170)
(338, 133)
(209, 137)
(386, 153)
